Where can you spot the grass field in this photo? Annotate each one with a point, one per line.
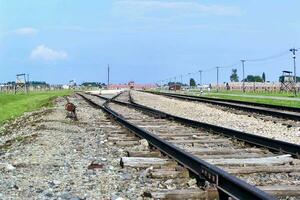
(12, 106)
(252, 93)
(290, 103)
(263, 93)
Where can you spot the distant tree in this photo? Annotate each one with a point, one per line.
(178, 83)
(38, 83)
(258, 79)
(192, 82)
(281, 79)
(91, 84)
(253, 78)
(170, 83)
(263, 76)
(234, 77)
(11, 83)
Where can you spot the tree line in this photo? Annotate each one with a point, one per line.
(93, 84)
(234, 78)
(43, 83)
(254, 78)
(33, 83)
(250, 78)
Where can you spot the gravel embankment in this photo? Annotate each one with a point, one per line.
(214, 115)
(46, 156)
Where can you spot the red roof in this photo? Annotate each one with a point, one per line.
(134, 85)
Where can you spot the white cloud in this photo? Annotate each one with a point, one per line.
(27, 31)
(43, 52)
(150, 7)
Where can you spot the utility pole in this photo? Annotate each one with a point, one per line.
(293, 50)
(27, 83)
(189, 80)
(181, 79)
(200, 80)
(218, 79)
(108, 76)
(243, 66)
(161, 85)
(175, 83)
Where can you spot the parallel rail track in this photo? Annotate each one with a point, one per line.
(227, 184)
(267, 109)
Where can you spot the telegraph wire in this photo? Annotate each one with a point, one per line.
(269, 57)
(238, 63)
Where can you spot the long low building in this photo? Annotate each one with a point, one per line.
(132, 85)
(254, 86)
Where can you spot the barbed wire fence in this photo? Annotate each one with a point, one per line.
(241, 63)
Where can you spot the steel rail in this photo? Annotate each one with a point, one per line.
(287, 108)
(227, 184)
(274, 110)
(256, 140)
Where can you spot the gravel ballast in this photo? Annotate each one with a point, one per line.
(43, 155)
(214, 115)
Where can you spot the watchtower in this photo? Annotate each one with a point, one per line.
(287, 81)
(21, 84)
(72, 84)
(131, 84)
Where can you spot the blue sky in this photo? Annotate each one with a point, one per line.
(145, 40)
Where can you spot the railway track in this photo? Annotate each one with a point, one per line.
(266, 109)
(213, 154)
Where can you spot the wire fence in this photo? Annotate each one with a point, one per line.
(200, 73)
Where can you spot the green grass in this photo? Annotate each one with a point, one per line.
(253, 93)
(12, 106)
(290, 103)
(222, 95)
(260, 93)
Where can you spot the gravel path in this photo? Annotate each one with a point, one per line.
(214, 115)
(43, 155)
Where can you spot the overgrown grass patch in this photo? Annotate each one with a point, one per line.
(290, 103)
(255, 93)
(12, 106)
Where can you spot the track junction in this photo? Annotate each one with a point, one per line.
(230, 161)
